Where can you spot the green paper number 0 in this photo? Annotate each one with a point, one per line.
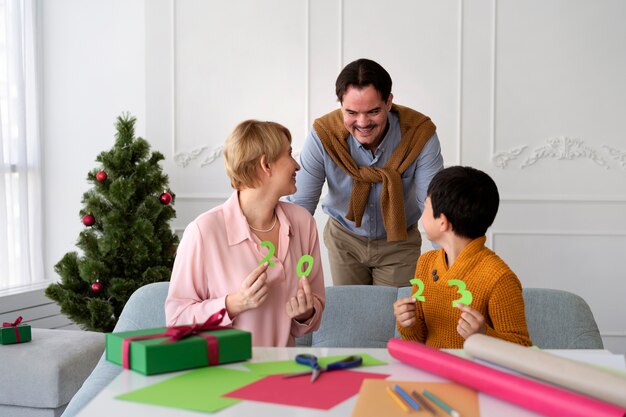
(308, 259)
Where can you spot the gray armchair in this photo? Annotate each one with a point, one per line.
(362, 316)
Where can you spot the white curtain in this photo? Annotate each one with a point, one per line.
(21, 226)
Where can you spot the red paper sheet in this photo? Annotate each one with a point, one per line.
(330, 389)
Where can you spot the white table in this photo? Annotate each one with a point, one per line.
(105, 405)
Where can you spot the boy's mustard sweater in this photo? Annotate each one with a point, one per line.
(496, 294)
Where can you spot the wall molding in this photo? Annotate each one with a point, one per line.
(560, 148)
(557, 148)
(502, 159)
(564, 233)
(202, 197)
(617, 155)
(492, 234)
(183, 158)
(564, 148)
(563, 199)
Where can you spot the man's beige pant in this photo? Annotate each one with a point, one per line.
(355, 260)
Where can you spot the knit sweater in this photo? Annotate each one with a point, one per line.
(496, 294)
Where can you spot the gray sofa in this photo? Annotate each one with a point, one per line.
(362, 316)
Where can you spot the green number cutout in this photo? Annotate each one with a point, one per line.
(420, 289)
(466, 295)
(268, 257)
(309, 261)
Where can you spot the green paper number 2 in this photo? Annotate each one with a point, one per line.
(271, 249)
(420, 289)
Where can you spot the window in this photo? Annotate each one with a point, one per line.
(21, 226)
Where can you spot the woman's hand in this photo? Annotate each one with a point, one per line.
(404, 311)
(471, 322)
(252, 292)
(300, 307)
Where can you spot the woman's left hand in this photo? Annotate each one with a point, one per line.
(300, 307)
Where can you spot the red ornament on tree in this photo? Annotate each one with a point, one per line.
(88, 220)
(101, 176)
(96, 287)
(165, 198)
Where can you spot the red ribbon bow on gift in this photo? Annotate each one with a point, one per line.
(14, 325)
(177, 333)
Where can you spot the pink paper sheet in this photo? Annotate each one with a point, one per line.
(330, 389)
(533, 395)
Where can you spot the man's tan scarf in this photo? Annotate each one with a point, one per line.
(416, 129)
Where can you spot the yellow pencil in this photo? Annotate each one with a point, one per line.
(398, 400)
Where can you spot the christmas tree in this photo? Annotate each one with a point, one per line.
(127, 241)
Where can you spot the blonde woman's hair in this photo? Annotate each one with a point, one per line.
(245, 146)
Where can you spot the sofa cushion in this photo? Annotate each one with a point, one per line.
(47, 371)
(357, 316)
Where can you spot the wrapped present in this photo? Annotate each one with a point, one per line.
(15, 332)
(168, 349)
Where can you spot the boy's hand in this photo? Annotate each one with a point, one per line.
(404, 310)
(300, 307)
(471, 322)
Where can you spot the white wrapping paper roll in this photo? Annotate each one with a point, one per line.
(576, 376)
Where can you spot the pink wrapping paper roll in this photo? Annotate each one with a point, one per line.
(526, 393)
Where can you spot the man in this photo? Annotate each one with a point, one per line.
(378, 159)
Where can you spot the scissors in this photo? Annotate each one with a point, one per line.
(311, 360)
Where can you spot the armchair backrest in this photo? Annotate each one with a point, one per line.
(144, 309)
(362, 316)
(559, 319)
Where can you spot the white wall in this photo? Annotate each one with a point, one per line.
(531, 92)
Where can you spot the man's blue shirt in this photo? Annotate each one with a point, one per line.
(318, 167)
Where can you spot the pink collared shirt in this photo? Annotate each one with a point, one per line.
(218, 251)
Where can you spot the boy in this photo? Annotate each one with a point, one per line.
(462, 288)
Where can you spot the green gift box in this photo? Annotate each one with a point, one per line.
(156, 354)
(15, 332)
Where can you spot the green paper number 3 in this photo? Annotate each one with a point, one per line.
(466, 296)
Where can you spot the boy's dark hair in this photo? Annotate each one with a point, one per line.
(360, 74)
(467, 196)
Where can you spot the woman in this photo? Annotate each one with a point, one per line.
(246, 255)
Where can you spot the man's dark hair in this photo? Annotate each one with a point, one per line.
(467, 196)
(360, 74)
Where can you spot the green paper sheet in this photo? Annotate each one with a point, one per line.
(291, 366)
(197, 390)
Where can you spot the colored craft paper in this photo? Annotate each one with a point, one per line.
(527, 393)
(330, 389)
(290, 366)
(576, 376)
(198, 390)
(373, 401)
